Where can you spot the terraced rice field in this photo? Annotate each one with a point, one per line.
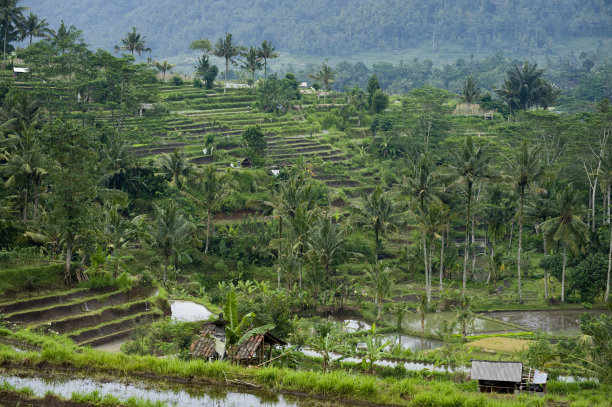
(89, 318)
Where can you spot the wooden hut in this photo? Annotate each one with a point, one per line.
(211, 342)
(211, 345)
(498, 377)
(256, 349)
(245, 163)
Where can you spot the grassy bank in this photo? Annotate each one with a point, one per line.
(338, 384)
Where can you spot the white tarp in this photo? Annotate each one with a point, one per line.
(539, 377)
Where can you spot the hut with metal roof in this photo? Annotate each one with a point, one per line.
(498, 377)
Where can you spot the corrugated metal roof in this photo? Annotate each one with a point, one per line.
(497, 371)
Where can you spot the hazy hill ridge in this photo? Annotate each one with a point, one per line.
(336, 27)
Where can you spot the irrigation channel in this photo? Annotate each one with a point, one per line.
(184, 396)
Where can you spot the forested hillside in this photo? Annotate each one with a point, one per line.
(320, 27)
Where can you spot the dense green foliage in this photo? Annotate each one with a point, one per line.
(321, 28)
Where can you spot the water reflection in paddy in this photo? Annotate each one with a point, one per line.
(192, 397)
(189, 311)
(550, 321)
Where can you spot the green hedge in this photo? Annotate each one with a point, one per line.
(27, 278)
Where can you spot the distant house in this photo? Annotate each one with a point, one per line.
(303, 85)
(144, 107)
(497, 377)
(245, 163)
(20, 71)
(211, 345)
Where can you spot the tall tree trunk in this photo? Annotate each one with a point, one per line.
(25, 203)
(546, 284)
(265, 68)
(473, 245)
(226, 68)
(68, 260)
(208, 220)
(520, 243)
(466, 251)
(563, 272)
(444, 237)
(5, 34)
(166, 261)
(607, 296)
(280, 247)
(426, 260)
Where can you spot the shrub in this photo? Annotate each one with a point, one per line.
(177, 81)
(197, 83)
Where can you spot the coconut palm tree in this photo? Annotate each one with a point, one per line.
(524, 170)
(567, 227)
(470, 91)
(265, 52)
(380, 283)
(326, 75)
(175, 168)
(133, 42)
(208, 190)
(430, 223)
(25, 170)
(227, 49)
(606, 182)
(33, 27)
(325, 242)
(11, 17)
(471, 164)
(163, 67)
(379, 213)
(251, 64)
(169, 232)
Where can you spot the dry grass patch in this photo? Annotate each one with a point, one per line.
(500, 344)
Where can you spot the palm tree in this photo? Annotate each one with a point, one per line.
(11, 16)
(170, 232)
(525, 169)
(380, 283)
(606, 182)
(251, 64)
(225, 48)
(567, 227)
(430, 223)
(302, 222)
(379, 213)
(209, 190)
(25, 169)
(325, 242)
(471, 164)
(325, 75)
(523, 87)
(265, 52)
(470, 91)
(465, 317)
(133, 42)
(175, 167)
(163, 67)
(33, 27)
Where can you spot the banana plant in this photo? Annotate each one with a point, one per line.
(374, 347)
(237, 331)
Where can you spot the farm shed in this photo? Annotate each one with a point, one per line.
(211, 342)
(498, 377)
(20, 70)
(211, 345)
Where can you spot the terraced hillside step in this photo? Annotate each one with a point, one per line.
(76, 307)
(202, 160)
(46, 300)
(98, 317)
(108, 338)
(303, 150)
(114, 326)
